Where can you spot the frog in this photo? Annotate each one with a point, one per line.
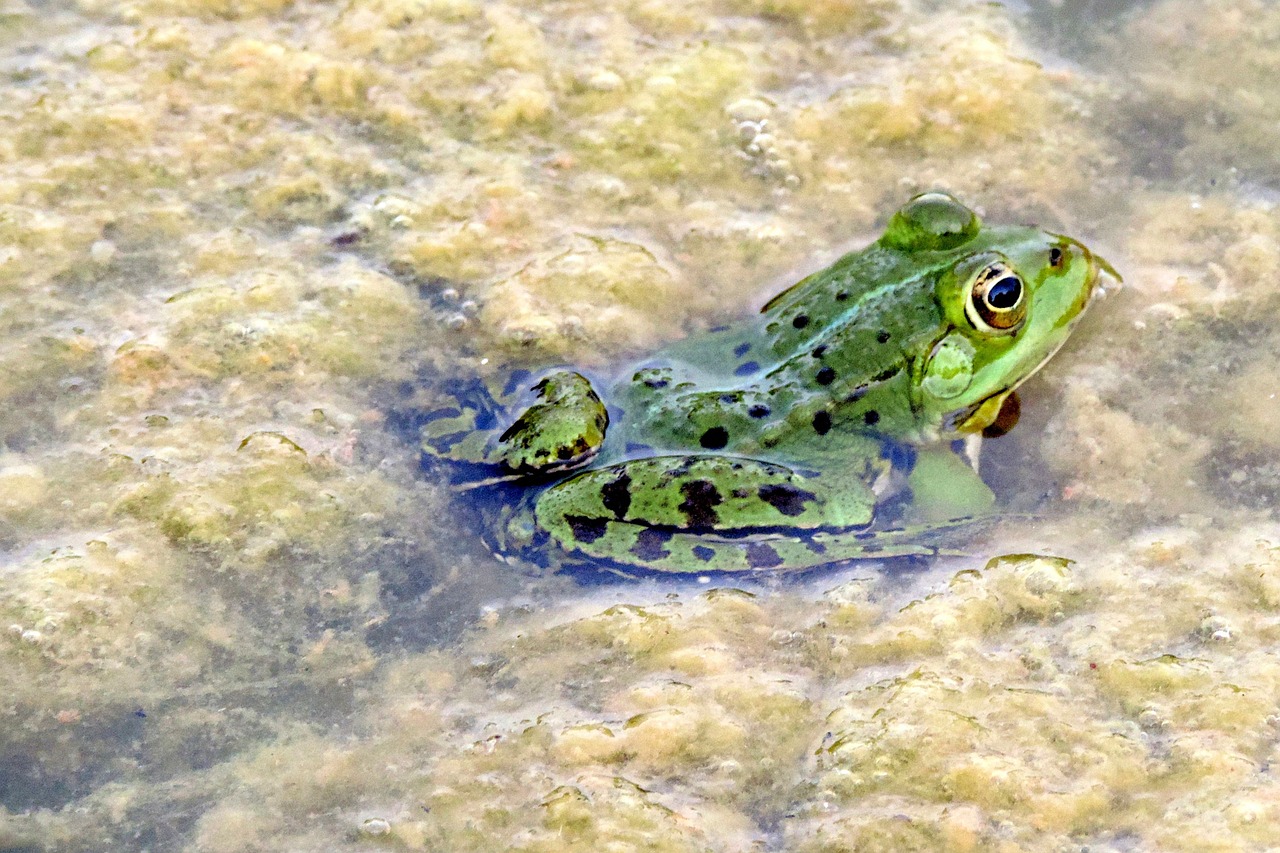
(839, 423)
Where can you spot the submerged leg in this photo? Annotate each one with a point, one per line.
(562, 430)
(719, 513)
(944, 486)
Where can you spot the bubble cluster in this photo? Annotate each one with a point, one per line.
(758, 144)
(453, 310)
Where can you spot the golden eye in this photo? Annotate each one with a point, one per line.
(997, 299)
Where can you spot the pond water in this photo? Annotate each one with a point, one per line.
(241, 239)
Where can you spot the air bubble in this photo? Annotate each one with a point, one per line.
(102, 252)
(604, 81)
(375, 827)
(749, 109)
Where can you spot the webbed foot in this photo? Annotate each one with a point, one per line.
(562, 430)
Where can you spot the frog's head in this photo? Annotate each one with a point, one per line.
(1009, 297)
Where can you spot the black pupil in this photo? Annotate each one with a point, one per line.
(1005, 293)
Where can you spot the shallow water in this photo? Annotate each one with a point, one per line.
(241, 239)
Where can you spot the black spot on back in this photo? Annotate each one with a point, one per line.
(761, 556)
(741, 349)
(871, 418)
(703, 553)
(746, 368)
(856, 394)
(714, 438)
(758, 411)
(819, 351)
(825, 376)
(886, 374)
(650, 542)
(728, 399)
(822, 422)
(882, 337)
(616, 495)
(586, 529)
(841, 296)
(786, 499)
(800, 321)
(701, 497)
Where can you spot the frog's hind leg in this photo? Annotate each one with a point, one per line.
(680, 552)
(701, 513)
(695, 514)
(561, 430)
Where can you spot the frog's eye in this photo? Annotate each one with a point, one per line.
(934, 221)
(997, 299)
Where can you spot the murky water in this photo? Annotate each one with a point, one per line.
(241, 239)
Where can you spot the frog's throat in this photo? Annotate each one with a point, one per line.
(978, 416)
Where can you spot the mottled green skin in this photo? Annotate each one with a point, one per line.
(776, 442)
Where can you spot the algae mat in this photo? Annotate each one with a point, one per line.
(238, 238)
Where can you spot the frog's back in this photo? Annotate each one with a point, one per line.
(830, 354)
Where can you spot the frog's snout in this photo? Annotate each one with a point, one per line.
(1103, 277)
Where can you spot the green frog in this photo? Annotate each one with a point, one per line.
(827, 428)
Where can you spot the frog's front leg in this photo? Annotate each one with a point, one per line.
(706, 513)
(561, 430)
(944, 485)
